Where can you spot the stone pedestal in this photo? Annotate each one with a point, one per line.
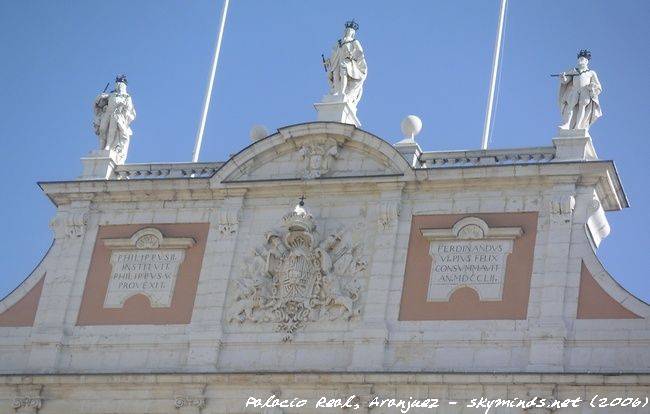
(574, 145)
(410, 150)
(333, 109)
(98, 165)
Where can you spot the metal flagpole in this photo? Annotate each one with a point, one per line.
(208, 92)
(493, 79)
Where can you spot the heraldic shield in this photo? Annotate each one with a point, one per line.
(296, 277)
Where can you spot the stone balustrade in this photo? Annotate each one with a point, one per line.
(166, 170)
(446, 159)
(429, 159)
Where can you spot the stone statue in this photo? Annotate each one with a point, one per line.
(114, 113)
(579, 90)
(346, 68)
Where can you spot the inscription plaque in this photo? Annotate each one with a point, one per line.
(148, 264)
(470, 254)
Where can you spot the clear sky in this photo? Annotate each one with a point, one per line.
(429, 58)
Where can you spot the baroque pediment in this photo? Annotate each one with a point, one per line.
(316, 155)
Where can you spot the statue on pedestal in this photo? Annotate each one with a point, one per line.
(114, 113)
(346, 68)
(579, 90)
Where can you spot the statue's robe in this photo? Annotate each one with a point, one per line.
(571, 93)
(114, 113)
(349, 55)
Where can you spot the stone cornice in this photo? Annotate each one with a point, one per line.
(412, 378)
(601, 174)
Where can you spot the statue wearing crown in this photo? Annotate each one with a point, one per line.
(578, 98)
(114, 113)
(346, 68)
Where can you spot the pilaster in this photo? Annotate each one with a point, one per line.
(206, 328)
(548, 329)
(62, 278)
(372, 334)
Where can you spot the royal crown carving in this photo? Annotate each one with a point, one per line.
(297, 277)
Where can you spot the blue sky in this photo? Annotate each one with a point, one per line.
(429, 58)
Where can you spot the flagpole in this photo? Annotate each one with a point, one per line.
(493, 79)
(208, 91)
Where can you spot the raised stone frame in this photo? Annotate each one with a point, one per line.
(470, 254)
(146, 253)
(103, 303)
(463, 302)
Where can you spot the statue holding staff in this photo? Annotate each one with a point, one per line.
(578, 98)
(114, 113)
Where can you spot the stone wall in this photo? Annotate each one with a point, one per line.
(239, 208)
(230, 393)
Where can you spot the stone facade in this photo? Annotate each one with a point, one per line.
(363, 194)
(229, 393)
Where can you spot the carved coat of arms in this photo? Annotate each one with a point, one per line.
(318, 156)
(296, 276)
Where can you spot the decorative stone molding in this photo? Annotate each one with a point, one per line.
(297, 277)
(146, 263)
(470, 254)
(388, 213)
(185, 401)
(597, 223)
(318, 155)
(228, 221)
(561, 208)
(68, 224)
(166, 170)
(446, 159)
(27, 402)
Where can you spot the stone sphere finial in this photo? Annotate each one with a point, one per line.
(411, 126)
(258, 132)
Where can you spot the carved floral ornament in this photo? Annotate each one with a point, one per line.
(297, 276)
(27, 402)
(185, 401)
